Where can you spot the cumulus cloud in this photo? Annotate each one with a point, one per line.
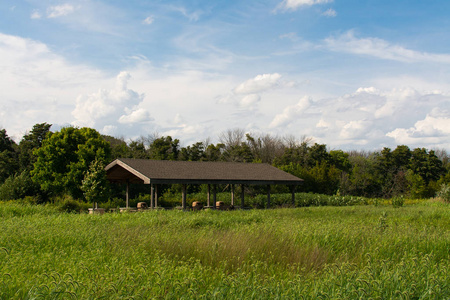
(139, 115)
(247, 95)
(295, 4)
(40, 86)
(380, 48)
(259, 84)
(250, 100)
(291, 113)
(433, 129)
(60, 10)
(356, 129)
(372, 118)
(108, 107)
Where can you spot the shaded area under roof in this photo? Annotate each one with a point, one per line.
(146, 171)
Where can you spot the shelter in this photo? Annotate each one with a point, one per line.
(154, 172)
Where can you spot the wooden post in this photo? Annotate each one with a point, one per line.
(183, 197)
(268, 196)
(127, 193)
(232, 195)
(156, 196)
(208, 196)
(152, 195)
(293, 194)
(242, 196)
(214, 197)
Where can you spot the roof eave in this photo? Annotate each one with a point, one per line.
(133, 171)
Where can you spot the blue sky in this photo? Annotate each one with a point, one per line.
(349, 74)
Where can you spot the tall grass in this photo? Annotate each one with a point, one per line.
(260, 200)
(314, 252)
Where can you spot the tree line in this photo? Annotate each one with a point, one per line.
(71, 161)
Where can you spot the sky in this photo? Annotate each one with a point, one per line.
(351, 74)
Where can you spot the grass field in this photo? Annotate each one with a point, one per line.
(351, 252)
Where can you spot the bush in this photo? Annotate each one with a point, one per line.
(17, 187)
(444, 192)
(398, 201)
(70, 205)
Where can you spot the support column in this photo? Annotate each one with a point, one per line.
(268, 196)
(208, 196)
(214, 197)
(152, 195)
(232, 195)
(293, 194)
(127, 193)
(156, 196)
(183, 197)
(242, 196)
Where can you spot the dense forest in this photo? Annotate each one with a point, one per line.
(71, 161)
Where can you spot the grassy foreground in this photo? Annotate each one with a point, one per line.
(317, 252)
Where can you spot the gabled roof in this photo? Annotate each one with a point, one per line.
(187, 172)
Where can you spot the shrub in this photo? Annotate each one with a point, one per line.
(444, 192)
(70, 205)
(17, 187)
(398, 201)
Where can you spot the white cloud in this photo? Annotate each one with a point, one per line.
(41, 86)
(108, 107)
(295, 4)
(322, 124)
(149, 20)
(38, 85)
(60, 10)
(356, 129)
(379, 48)
(36, 15)
(139, 115)
(433, 129)
(192, 16)
(250, 100)
(247, 95)
(370, 118)
(190, 133)
(259, 84)
(291, 113)
(329, 13)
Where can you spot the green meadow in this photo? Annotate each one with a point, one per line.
(326, 252)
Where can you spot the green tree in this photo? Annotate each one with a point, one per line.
(339, 159)
(192, 153)
(401, 157)
(165, 148)
(238, 153)
(29, 143)
(213, 152)
(18, 186)
(325, 178)
(119, 148)
(95, 186)
(416, 185)
(317, 153)
(426, 164)
(363, 177)
(8, 156)
(64, 158)
(137, 150)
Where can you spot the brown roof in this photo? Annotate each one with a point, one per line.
(164, 171)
